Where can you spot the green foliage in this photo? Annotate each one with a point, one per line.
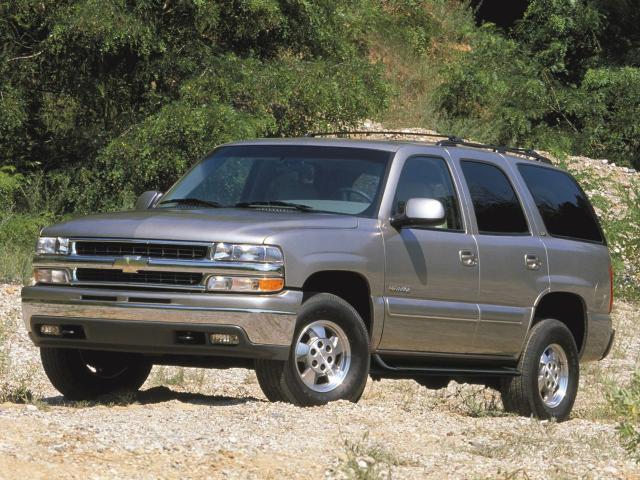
(495, 94)
(620, 39)
(609, 113)
(18, 234)
(233, 99)
(562, 36)
(547, 86)
(626, 403)
(10, 183)
(117, 96)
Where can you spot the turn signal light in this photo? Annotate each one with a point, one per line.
(245, 284)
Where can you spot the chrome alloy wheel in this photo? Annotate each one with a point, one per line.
(323, 356)
(553, 375)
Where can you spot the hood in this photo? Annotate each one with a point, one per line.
(201, 225)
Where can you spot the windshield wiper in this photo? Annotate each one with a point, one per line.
(274, 203)
(192, 201)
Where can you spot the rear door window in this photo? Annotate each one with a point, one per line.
(496, 205)
(563, 205)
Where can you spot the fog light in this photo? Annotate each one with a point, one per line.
(224, 339)
(50, 330)
(245, 284)
(48, 275)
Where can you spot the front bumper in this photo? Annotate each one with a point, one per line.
(147, 321)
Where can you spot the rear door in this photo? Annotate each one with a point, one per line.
(513, 260)
(431, 273)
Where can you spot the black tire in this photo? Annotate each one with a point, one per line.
(433, 382)
(521, 394)
(325, 306)
(85, 375)
(269, 373)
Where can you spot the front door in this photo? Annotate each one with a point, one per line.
(432, 273)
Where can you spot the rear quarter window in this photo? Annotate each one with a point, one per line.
(563, 205)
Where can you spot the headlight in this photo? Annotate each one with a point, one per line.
(230, 252)
(245, 284)
(52, 246)
(49, 275)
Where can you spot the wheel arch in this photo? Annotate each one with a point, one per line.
(352, 287)
(566, 307)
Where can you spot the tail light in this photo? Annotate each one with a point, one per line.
(610, 288)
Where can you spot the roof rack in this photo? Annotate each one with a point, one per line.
(447, 141)
(525, 152)
(383, 132)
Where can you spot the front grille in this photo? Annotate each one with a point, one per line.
(152, 250)
(142, 277)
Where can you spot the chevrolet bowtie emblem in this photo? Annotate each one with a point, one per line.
(130, 264)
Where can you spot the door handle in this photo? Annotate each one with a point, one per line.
(532, 262)
(468, 258)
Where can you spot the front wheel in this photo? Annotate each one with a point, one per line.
(85, 375)
(329, 358)
(550, 369)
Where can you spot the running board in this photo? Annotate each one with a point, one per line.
(385, 368)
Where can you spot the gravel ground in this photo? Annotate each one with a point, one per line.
(217, 424)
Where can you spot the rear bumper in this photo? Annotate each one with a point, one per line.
(609, 345)
(148, 321)
(599, 337)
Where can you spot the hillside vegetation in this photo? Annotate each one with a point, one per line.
(101, 100)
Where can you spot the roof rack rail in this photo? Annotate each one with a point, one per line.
(525, 152)
(448, 141)
(383, 132)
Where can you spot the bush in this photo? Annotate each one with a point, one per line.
(88, 85)
(562, 37)
(496, 94)
(609, 114)
(233, 99)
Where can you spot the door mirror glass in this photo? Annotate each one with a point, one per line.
(426, 212)
(148, 200)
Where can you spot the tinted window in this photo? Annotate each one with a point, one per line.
(427, 177)
(564, 207)
(494, 200)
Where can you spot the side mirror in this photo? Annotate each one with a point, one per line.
(425, 212)
(148, 200)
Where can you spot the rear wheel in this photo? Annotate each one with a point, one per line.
(549, 366)
(329, 359)
(85, 375)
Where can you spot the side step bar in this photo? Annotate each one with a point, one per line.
(380, 366)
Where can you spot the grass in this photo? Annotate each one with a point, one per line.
(181, 377)
(625, 404)
(15, 263)
(366, 460)
(476, 401)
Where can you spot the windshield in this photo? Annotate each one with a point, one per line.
(310, 178)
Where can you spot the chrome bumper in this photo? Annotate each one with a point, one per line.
(266, 319)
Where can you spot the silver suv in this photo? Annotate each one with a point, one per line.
(319, 262)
